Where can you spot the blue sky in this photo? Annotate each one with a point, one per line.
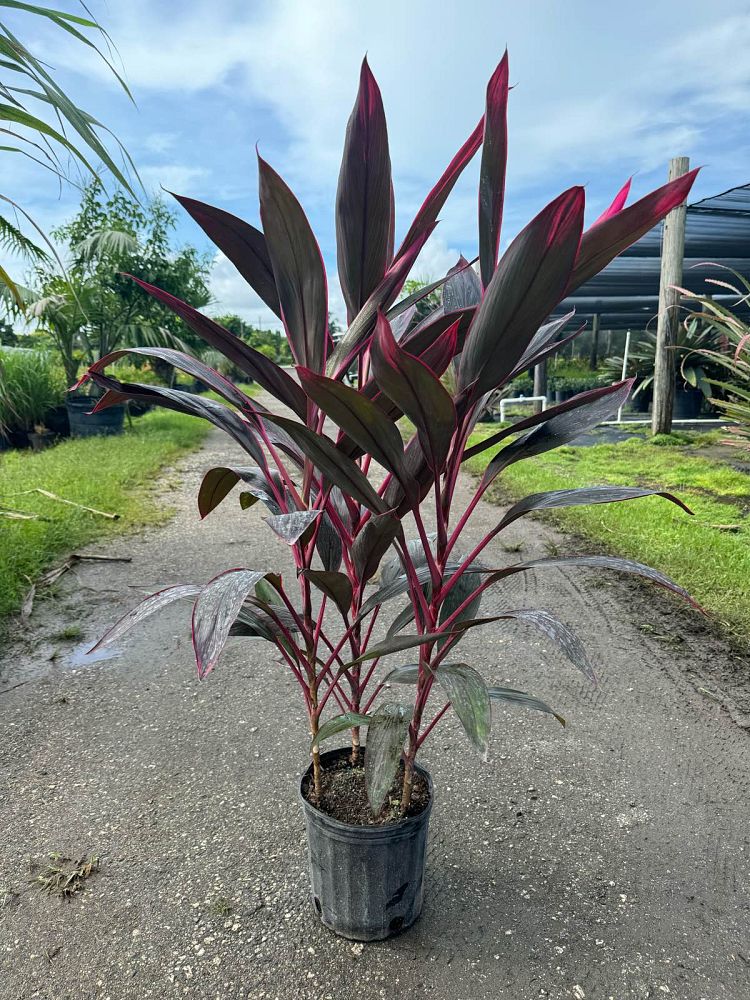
(601, 91)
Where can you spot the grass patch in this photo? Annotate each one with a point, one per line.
(708, 554)
(112, 474)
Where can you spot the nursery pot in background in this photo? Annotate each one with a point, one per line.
(367, 881)
(84, 423)
(687, 403)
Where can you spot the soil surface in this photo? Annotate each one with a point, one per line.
(344, 795)
(610, 859)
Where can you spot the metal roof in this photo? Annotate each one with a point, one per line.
(626, 293)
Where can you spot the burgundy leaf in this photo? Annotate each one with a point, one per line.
(521, 698)
(606, 239)
(363, 199)
(610, 398)
(544, 336)
(492, 170)
(337, 586)
(366, 424)
(251, 362)
(297, 267)
(417, 393)
(526, 286)
(218, 482)
(215, 611)
(618, 203)
(578, 497)
(462, 287)
(241, 243)
(362, 326)
(560, 427)
(332, 463)
(149, 606)
(372, 543)
(426, 217)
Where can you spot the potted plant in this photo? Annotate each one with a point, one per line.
(31, 387)
(367, 805)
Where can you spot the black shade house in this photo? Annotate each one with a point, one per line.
(625, 295)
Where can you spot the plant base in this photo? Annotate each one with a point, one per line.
(84, 423)
(367, 881)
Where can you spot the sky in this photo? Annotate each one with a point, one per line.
(601, 91)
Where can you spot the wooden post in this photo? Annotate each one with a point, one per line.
(609, 343)
(540, 381)
(594, 353)
(672, 254)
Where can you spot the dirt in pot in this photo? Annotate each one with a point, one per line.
(344, 796)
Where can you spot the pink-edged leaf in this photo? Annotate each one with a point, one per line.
(425, 334)
(186, 363)
(372, 543)
(417, 393)
(401, 323)
(216, 413)
(149, 606)
(618, 202)
(492, 170)
(544, 335)
(218, 482)
(426, 217)
(552, 347)
(442, 351)
(215, 612)
(363, 199)
(528, 283)
(251, 362)
(365, 423)
(560, 427)
(462, 287)
(362, 326)
(605, 240)
(241, 243)
(594, 406)
(553, 499)
(291, 527)
(334, 465)
(297, 267)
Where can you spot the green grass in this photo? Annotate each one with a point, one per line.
(708, 554)
(112, 474)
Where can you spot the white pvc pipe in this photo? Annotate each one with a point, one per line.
(625, 370)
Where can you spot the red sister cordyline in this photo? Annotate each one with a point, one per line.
(340, 526)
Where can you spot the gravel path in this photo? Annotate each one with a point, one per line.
(607, 860)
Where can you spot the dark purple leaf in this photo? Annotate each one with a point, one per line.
(544, 336)
(372, 542)
(426, 217)
(528, 283)
(417, 393)
(332, 463)
(606, 239)
(364, 422)
(363, 199)
(579, 497)
(149, 606)
(337, 586)
(297, 267)
(215, 611)
(492, 170)
(462, 289)
(251, 362)
(556, 630)
(363, 324)
(395, 645)
(218, 482)
(520, 698)
(241, 243)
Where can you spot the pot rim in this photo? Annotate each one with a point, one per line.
(373, 829)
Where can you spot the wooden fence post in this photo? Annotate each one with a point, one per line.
(594, 353)
(672, 254)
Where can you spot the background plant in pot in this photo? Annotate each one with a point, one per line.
(355, 504)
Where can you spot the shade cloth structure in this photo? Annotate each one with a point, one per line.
(625, 295)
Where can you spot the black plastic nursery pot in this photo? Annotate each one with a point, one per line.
(367, 881)
(687, 403)
(84, 423)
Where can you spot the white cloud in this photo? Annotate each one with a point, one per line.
(173, 176)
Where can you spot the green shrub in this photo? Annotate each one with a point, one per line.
(31, 384)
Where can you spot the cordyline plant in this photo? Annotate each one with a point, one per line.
(313, 467)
